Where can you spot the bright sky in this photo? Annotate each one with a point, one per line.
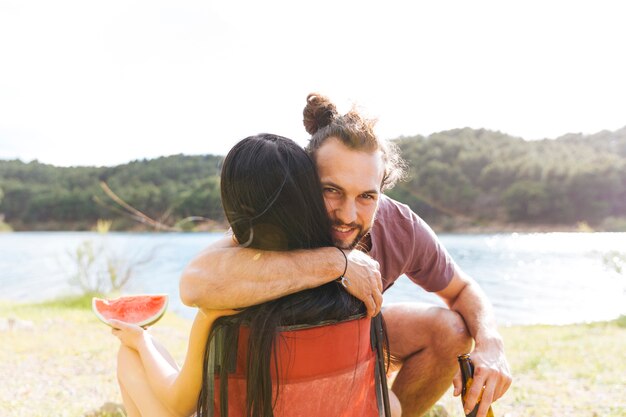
(86, 82)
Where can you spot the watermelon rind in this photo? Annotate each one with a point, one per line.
(142, 323)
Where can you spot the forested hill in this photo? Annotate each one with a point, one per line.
(35, 196)
(457, 178)
(484, 176)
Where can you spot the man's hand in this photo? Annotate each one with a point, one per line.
(491, 371)
(364, 281)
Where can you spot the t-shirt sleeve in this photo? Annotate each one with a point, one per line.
(429, 264)
(404, 244)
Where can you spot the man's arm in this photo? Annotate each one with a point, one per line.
(226, 276)
(491, 369)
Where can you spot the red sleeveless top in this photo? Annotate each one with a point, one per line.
(325, 370)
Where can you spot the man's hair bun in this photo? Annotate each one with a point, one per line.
(319, 112)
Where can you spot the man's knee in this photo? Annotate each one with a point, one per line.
(452, 332)
(445, 331)
(413, 327)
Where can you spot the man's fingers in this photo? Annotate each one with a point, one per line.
(373, 303)
(475, 390)
(458, 383)
(363, 280)
(486, 400)
(370, 305)
(378, 277)
(505, 382)
(376, 306)
(378, 301)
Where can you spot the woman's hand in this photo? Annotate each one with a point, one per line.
(129, 334)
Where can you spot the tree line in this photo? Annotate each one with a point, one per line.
(456, 177)
(485, 177)
(38, 196)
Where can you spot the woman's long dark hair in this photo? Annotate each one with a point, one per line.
(272, 198)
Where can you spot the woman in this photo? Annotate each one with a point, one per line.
(273, 201)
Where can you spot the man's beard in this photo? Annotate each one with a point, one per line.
(356, 240)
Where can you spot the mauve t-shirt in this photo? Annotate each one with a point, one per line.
(404, 244)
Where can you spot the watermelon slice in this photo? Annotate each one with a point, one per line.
(142, 310)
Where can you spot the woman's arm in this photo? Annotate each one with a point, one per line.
(177, 390)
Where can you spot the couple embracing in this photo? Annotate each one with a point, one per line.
(314, 240)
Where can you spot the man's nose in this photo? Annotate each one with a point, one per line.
(346, 213)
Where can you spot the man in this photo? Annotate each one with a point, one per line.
(354, 168)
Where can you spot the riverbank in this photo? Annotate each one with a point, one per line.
(458, 225)
(59, 361)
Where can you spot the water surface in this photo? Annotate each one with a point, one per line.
(551, 278)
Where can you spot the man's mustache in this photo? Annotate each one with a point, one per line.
(352, 225)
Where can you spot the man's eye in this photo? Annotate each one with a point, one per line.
(367, 196)
(330, 190)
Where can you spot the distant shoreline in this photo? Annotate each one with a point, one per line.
(513, 228)
(492, 228)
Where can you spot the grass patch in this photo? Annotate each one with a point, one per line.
(63, 365)
(71, 302)
(574, 370)
(61, 359)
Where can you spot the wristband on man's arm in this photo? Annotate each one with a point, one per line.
(342, 278)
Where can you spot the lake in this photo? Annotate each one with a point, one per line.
(549, 278)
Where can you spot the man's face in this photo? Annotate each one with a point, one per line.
(351, 182)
